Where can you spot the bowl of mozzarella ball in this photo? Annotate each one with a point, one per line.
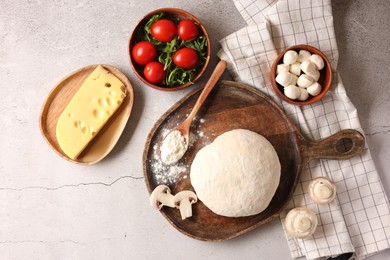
(301, 75)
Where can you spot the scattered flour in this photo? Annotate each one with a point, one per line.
(171, 173)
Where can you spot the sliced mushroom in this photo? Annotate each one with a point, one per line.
(183, 201)
(301, 222)
(161, 196)
(322, 190)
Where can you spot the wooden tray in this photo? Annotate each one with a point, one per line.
(58, 99)
(230, 106)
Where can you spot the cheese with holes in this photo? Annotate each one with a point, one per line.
(94, 103)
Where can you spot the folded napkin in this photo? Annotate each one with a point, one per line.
(358, 220)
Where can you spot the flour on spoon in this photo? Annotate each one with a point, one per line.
(173, 147)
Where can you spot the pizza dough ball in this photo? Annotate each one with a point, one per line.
(237, 175)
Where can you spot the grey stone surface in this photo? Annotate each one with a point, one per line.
(52, 209)
(362, 31)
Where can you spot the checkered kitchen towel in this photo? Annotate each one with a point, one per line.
(358, 220)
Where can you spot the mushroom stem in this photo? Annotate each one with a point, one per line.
(185, 208)
(183, 201)
(166, 199)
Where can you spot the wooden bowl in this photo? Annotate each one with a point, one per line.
(134, 38)
(325, 76)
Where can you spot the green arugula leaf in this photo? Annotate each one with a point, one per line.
(166, 50)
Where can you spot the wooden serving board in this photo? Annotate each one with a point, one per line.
(231, 106)
(59, 98)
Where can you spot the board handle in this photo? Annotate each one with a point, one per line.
(339, 146)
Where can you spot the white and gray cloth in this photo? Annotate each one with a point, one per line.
(358, 220)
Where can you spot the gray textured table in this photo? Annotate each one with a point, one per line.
(52, 209)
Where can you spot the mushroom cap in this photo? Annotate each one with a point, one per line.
(159, 191)
(301, 222)
(322, 190)
(185, 194)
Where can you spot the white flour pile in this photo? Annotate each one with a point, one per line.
(173, 147)
(169, 174)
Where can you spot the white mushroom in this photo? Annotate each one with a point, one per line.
(322, 190)
(301, 222)
(183, 201)
(290, 57)
(161, 196)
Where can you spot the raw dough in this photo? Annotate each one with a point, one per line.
(237, 175)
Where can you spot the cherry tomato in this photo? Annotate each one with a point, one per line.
(185, 58)
(163, 30)
(144, 52)
(187, 30)
(154, 72)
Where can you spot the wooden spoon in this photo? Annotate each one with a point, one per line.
(174, 147)
(184, 127)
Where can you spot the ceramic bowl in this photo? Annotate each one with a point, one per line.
(325, 76)
(138, 32)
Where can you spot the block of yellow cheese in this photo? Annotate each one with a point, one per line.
(94, 103)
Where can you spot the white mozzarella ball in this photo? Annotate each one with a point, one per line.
(290, 57)
(292, 92)
(295, 68)
(294, 79)
(308, 66)
(282, 68)
(303, 55)
(285, 78)
(315, 75)
(318, 61)
(303, 94)
(304, 81)
(314, 89)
